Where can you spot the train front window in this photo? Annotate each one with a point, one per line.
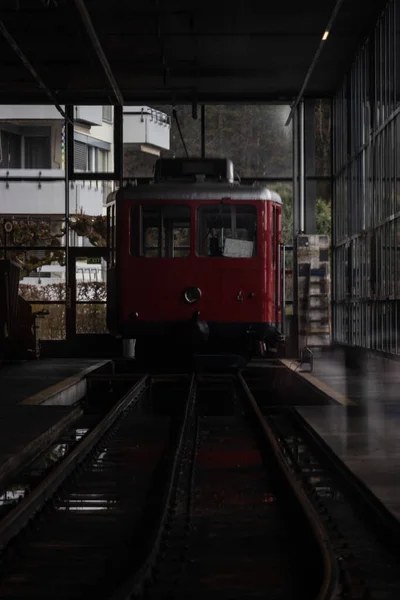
(227, 230)
(165, 231)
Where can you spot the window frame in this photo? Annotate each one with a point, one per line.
(136, 215)
(227, 203)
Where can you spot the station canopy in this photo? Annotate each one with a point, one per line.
(124, 51)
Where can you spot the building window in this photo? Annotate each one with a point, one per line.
(107, 114)
(227, 230)
(10, 150)
(165, 231)
(37, 152)
(90, 159)
(101, 160)
(80, 156)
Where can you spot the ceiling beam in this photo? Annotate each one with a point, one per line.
(80, 5)
(315, 59)
(13, 44)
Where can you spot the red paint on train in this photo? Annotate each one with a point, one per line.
(149, 271)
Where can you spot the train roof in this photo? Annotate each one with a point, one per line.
(196, 191)
(196, 179)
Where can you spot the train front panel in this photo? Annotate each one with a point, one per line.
(214, 260)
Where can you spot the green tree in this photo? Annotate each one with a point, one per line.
(323, 217)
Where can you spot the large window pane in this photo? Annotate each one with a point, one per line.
(31, 139)
(152, 132)
(42, 273)
(323, 216)
(254, 137)
(51, 326)
(227, 230)
(91, 279)
(93, 139)
(318, 123)
(87, 213)
(91, 318)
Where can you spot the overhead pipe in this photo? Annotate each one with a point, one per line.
(315, 59)
(80, 5)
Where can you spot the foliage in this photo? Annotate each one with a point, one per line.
(52, 326)
(30, 260)
(30, 231)
(323, 132)
(52, 291)
(90, 318)
(323, 217)
(93, 228)
(252, 136)
(86, 291)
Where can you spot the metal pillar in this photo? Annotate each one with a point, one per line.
(310, 206)
(68, 166)
(298, 171)
(301, 167)
(304, 191)
(295, 138)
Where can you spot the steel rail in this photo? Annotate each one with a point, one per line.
(23, 512)
(375, 512)
(330, 583)
(134, 586)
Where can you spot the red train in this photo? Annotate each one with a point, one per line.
(195, 260)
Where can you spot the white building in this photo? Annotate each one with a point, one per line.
(32, 146)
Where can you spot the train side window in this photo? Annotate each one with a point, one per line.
(227, 230)
(165, 231)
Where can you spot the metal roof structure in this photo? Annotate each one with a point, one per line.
(126, 52)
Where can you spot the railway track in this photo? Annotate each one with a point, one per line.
(161, 499)
(364, 536)
(235, 523)
(165, 498)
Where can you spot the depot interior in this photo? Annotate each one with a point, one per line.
(303, 98)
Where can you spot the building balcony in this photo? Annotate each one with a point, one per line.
(47, 195)
(146, 129)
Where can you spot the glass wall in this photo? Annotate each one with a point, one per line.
(366, 193)
(56, 175)
(42, 217)
(254, 137)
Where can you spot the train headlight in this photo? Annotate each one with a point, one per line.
(192, 295)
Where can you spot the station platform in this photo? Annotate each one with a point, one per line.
(37, 404)
(362, 424)
(21, 381)
(27, 430)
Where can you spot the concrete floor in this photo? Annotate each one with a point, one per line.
(19, 380)
(366, 436)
